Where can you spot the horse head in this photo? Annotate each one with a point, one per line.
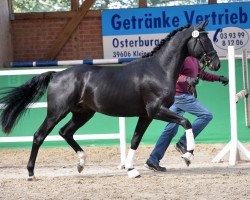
(201, 47)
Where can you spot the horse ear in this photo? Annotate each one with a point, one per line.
(202, 26)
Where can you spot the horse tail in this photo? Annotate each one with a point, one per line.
(15, 100)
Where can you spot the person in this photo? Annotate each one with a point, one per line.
(185, 101)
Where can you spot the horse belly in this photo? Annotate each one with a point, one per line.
(118, 106)
(123, 111)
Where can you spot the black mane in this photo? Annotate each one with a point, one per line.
(163, 41)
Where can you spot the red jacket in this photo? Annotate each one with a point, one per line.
(192, 68)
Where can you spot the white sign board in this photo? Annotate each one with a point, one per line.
(130, 33)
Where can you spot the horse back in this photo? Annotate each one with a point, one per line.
(109, 90)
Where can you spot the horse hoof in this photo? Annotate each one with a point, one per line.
(187, 162)
(187, 157)
(121, 166)
(80, 168)
(82, 156)
(31, 178)
(133, 173)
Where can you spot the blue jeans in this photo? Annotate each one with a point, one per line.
(183, 103)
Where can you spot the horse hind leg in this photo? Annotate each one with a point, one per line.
(140, 129)
(40, 135)
(78, 119)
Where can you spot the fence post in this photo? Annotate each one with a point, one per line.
(232, 100)
(234, 147)
(245, 84)
(122, 131)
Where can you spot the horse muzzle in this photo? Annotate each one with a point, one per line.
(214, 64)
(211, 60)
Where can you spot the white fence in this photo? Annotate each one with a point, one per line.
(121, 135)
(234, 147)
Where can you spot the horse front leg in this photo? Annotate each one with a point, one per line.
(140, 129)
(169, 116)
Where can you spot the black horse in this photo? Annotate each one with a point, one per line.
(143, 88)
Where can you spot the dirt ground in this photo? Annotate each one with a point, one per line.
(57, 176)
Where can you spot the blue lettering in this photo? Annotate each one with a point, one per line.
(189, 18)
(131, 43)
(161, 19)
(122, 44)
(116, 25)
(133, 20)
(175, 21)
(126, 24)
(165, 20)
(157, 22)
(220, 16)
(242, 16)
(115, 42)
(199, 19)
(213, 15)
(234, 18)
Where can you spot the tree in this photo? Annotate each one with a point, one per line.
(114, 4)
(20, 6)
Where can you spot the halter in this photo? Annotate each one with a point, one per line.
(206, 57)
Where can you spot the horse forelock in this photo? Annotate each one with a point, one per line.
(165, 40)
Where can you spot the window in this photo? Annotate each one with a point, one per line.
(230, 1)
(113, 4)
(24, 6)
(159, 3)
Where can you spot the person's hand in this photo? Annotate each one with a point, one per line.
(192, 81)
(224, 80)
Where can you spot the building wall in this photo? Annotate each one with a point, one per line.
(5, 35)
(33, 38)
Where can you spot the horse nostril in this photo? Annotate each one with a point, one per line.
(218, 67)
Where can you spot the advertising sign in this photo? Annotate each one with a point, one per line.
(130, 33)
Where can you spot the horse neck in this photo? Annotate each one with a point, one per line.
(173, 53)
